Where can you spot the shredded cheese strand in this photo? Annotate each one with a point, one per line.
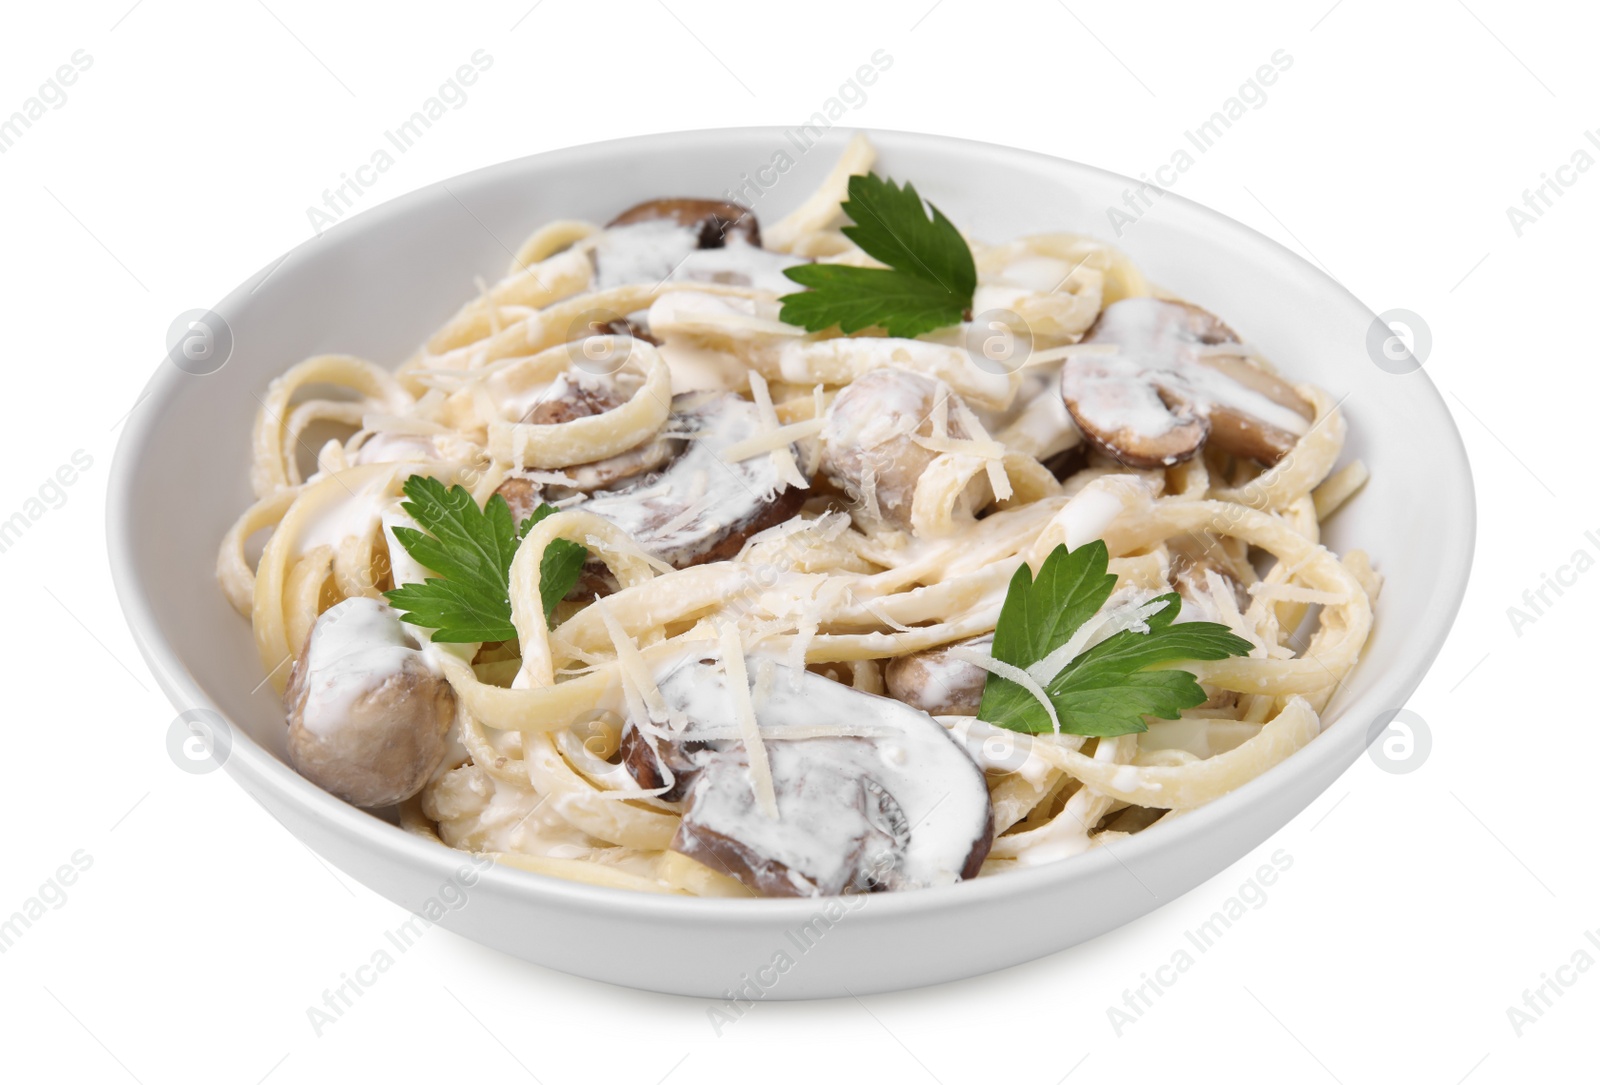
(744, 713)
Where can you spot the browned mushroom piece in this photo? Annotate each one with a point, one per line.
(1240, 427)
(1172, 384)
(903, 806)
(1192, 558)
(712, 220)
(869, 446)
(708, 241)
(523, 495)
(638, 326)
(938, 682)
(667, 766)
(570, 396)
(368, 714)
(700, 508)
(1195, 570)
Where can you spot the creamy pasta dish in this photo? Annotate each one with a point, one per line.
(837, 554)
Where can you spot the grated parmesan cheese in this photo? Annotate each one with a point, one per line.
(639, 689)
(772, 440)
(744, 713)
(999, 481)
(1294, 593)
(984, 450)
(783, 455)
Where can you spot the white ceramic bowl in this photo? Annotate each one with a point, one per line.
(376, 284)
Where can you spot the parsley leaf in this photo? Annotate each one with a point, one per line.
(1109, 689)
(471, 550)
(928, 283)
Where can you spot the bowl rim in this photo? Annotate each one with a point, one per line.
(258, 771)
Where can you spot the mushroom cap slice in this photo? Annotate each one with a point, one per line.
(666, 767)
(701, 508)
(368, 715)
(712, 220)
(902, 806)
(1241, 430)
(574, 395)
(937, 682)
(1123, 414)
(688, 240)
(868, 441)
(570, 396)
(1172, 385)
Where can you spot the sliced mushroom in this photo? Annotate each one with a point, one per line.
(523, 495)
(902, 807)
(572, 395)
(711, 241)
(652, 241)
(869, 446)
(667, 767)
(1172, 384)
(1253, 413)
(711, 220)
(637, 325)
(938, 682)
(701, 508)
(1122, 413)
(368, 714)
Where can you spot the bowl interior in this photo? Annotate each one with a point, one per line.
(377, 284)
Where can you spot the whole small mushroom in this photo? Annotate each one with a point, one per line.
(368, 715)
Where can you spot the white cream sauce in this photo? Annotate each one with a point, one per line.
(403, 568)
(1089, 514)
(354, 513)
(739, 263)
(695, 364)
(660, 250)
(1112, 393)
(1027, 276)
(355, 647)
(397, 448)
(480, 813)
(641, 252)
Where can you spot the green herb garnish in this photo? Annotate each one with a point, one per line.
(471, 550)
(927, 284)
(1109, 689)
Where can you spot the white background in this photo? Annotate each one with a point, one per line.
(1419, 906)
